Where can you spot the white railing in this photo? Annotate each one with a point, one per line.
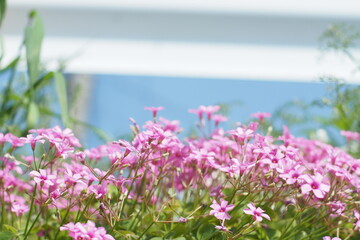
(262, 40)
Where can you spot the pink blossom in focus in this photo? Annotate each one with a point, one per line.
(314, 184)
(220, 210)
(42, 177)
(257, 213)
(292, 175)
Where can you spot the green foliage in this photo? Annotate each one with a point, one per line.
(34, 34)
(62, 97)
(340, 38)
(342, 100)
(6, 235)
(25, 99)
(2, 10)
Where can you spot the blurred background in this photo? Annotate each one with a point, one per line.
(248, 56)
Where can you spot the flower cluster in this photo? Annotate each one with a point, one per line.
(86, 231)
(156, 183)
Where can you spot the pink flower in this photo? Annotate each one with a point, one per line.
(86, 231)
(337, 208)
(257, 213)
(208, 110)
(99, 190)
(202, 155)
(241, 134)
(314, 184)
(14, 140)
(2, 138)
(220, 210)
(292, 176)
(80, 156)
(222, 228)
(273, 158)
(33, 140)
(42, 177)
(19, 208)
(357, 216)
(329, 238)
(261, 115)
(128, 147)
(351, 135)
(170, 125)
(182, 220)
(219, 118)
(70, 179)
(154, 110)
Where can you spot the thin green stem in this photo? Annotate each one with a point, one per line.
(80, 215)
(2, 208)
(129, 190)
(62, 221)
(283, 234)
(146, 230)
(32, 225)
(31, 208)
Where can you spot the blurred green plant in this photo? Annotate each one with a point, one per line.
(342, 100)
(27, 89)
(25, 100)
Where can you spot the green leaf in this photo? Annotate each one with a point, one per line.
(6, 235)
(34, 34)
(62, 97)
(10, 228)
(177, 231)
(33, 115)
(124, 233)
(1, 48)
(11, 65)
(205, 231)
(272, 214)
(272, 233)
(40, 83)
(2, 10)
(261, 234)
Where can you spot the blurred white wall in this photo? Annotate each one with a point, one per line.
(262, 40)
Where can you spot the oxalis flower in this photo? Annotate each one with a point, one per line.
(86, 231)
(43, 177)
(221, 228)
(329, 238)
(257, 213)
(220, 210)
(19, 208)
(314, 184)
(357, 222)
